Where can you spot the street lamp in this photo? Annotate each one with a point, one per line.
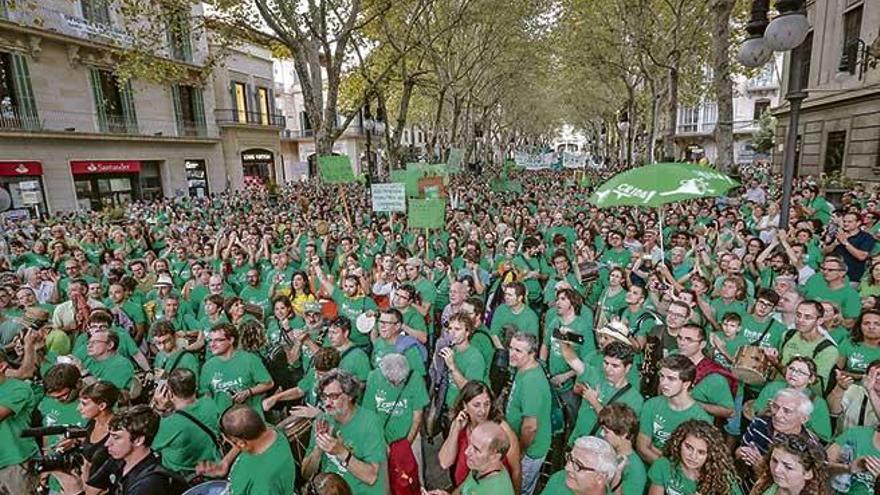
(786, 32)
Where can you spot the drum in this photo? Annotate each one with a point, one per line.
(298, 431)
(751, 365)
(214, 487)
(365, 322)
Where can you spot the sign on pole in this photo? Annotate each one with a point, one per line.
(426, 213)
(456, 156)
(335, 169)
(389, 197)
(410, 178)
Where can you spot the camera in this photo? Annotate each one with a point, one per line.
(572, 337)
(67, 460)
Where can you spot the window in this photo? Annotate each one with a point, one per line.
(178, 31)
(835, 149)
(114, 103)
(852, 27)
(688, 118)
(97, 11)
(239, 94)
(150, 181)
(761, 106)
(263, 101)
(306, 123)
(17, 106)
(189, 110)
(805, 51)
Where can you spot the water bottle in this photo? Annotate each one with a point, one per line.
(842, 482)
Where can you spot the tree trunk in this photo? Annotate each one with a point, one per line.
(671, 116)
(721, 12)
(435, 126)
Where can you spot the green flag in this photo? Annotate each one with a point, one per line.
(335, 169)
(426, 213)
(662, 183)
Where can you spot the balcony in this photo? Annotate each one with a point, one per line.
(230, 116)
(694, 128)
(66, 23)
(72, 123)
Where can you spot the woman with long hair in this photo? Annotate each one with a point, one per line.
(863, 346)
(300, 292)
(870, 283)
(793, 467)
(613, 298)
(695, 460)
(474, 407)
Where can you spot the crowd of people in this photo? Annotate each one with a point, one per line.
(298, 342)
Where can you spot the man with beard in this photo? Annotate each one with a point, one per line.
(233, 376)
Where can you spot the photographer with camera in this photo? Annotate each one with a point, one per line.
(60, 407)
(136, 469)
(16, 405)
(188, 435)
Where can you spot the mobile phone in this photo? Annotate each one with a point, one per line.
(572, 337)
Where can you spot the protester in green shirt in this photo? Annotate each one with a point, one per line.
(686, 468)
(189, 434)
(353, 358)
(619, 425)
(169, 357)
(800, 469)
(344, 440)
(529, 406)
(233, 376)
(484, 456)
(264, 465)
(463, 361)
(515, 312)
(103, 362)
(864, 459)
(590, 469)
(661, 415)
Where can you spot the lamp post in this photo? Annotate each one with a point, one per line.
(369, 125)
(624, 127)
(785, 33)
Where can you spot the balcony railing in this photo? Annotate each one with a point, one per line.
(696, 128)
(233, 116)
(88, 122)
(66, 23)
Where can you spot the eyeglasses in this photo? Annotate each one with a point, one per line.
(765, 302)
(826, 268)
(331, 396)
(799, 372)
(386, 322)
(578, 467)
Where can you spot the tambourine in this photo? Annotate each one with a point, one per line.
(365, 323)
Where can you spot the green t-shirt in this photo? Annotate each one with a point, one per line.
(359, 434)
(224, 378)
(533, 285)
(271, 472)
(752, 330)
(671, 478)
(713, 389)
(825, 360)
(731, 346)
(175, 360)
(526, 320)
(18, 397)
(115, 369)
(495, 484)
(128, 348)
(394, 406)
(182, 443)
(471, 364)
(657, 420)
(861, 438)
(351, 308)
(858, 355)
(635, 476)
(587, 417)
(530, 396)
(356, 361)
(611, 305)
(257, 295)
(845, 298)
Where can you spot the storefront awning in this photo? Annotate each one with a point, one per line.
(80, 167)
(15, 168)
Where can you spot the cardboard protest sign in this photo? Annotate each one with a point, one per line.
(389, 197)
(426, 213)
(335, 169)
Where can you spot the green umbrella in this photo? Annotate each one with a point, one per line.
(660, 184)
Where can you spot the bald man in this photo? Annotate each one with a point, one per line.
(264, 465)
(488, 476)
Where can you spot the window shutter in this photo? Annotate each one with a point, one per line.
(271, 106)
(234, 101)
(253, 108)
(199, 111)
(27, 106)
(126, 93)
(178, 112)
(98, 93)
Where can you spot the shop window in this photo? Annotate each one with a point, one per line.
(114, 103)
(150, 181)
(17, 106)
(196, 178)
(189, 110)
(835, 149)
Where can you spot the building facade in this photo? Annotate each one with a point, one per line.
(839, 128)
(74, 135)
(752, 97)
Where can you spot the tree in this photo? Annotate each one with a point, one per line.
(723, 86)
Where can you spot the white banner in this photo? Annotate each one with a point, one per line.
(574, 160)
(389, 197)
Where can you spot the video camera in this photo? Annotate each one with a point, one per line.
(67, 460)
